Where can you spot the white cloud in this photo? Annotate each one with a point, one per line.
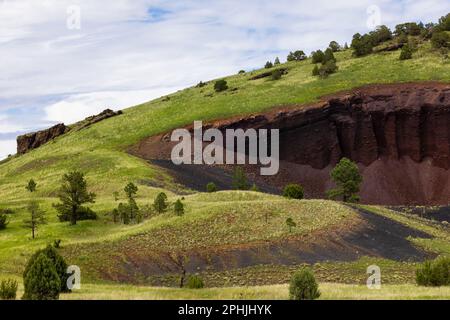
(80, 106)
(7, 147)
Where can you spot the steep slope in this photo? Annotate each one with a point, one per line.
(399, 135)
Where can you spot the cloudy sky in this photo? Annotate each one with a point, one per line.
(61, 61)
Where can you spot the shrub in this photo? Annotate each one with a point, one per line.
(8, 289)
(56, 260)
(293, 191)
(160, 203)
(195, 282)
(440, 40)
(201, 84)
(178, 208)
(362, 45)
(434, 273)
(303, 286)
(3, 221)
(42, 281)
(406, 52)
(220, 85)
(276, 75)
(315, 71)
(328, 56)
(211, 187)
(334, 46)
(290, 223)
(241, 72)
(6, 211)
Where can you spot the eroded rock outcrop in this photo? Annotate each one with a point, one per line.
(34, 140)
(398, 134)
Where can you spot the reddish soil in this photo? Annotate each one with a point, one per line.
(398, 134)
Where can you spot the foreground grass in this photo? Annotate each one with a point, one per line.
(276, 292)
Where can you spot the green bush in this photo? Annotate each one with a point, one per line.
(8, 289)
(220, 85)
(240, 179)
(406, 52)
(298, 55)
(57, 261)
(440, 40)
(276, 75)
(293, 191)
(318, 56)
(434, 273)
(42, 281)
(303, 286)
(315, 71)
(211, 187)
(195, 282)
(3, 221)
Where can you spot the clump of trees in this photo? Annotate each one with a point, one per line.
(303, 286)
(45, 275)
(293, 191)
(328, 61)
(268, 65)
(298, 55)
(347, 178)
(73, 194)
(220, 85)
(434, 273)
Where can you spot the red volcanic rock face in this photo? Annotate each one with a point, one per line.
(385, 128)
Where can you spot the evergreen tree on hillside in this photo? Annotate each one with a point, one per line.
(240, 179)
(42, 281)
(347, 178)
(31, 186)
(36, 218)
(72, 195)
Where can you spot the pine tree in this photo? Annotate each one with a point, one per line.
(179, 208)
(348, 179)
(42, 281)
(240, 179)
(37, 217)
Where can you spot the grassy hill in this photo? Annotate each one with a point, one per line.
(211, 220)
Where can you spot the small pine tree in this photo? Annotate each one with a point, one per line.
(211, 187)
(179, 208)
(31, 186)
(277, 61)
(131, 190)
(57, 261)
(291, 224)
(240, 179)
(36, 218)
(303, 286)
(348, 179)
(293, 191)
(42, 281)
(3, 221)
(328, 56)
(160, 203)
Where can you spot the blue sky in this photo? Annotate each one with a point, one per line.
(130, 51)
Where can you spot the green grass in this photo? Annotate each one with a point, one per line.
(329, 291)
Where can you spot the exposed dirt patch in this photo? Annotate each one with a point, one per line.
(398, 134)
